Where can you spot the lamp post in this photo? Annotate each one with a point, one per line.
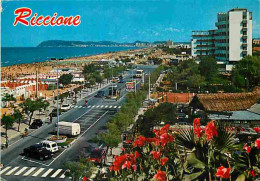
(58, 103)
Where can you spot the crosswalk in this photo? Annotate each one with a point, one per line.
(97, 106)
(33, 172)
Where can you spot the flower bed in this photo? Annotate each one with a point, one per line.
(61, 139)
(66, 143)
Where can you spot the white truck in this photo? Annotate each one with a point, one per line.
(68, 128)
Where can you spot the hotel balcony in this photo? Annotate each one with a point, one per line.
(244, 27)
(220, 23)
(244, 51)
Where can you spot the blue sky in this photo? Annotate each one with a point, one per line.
(120, 20)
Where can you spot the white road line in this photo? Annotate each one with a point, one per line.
(29, 171)
(11, 171)
(84, 107)
(76, 107)
(102, 106)
(89, 106)
(47, 173)
(119, 107)
(98, 106)
(93, 106)
(63, 175)
(110, 106)
(5, 169)
(115, 106)
(20, 171)
(38, 172)
(106, 106)
(80, 106)
(56, 173)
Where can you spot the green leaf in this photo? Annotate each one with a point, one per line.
(241, 177)
(194, 162)
(193, 175)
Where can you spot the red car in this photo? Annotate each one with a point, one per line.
(97, 156)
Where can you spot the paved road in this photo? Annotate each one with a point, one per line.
(91, 119)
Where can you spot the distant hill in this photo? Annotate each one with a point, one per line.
(62, 43)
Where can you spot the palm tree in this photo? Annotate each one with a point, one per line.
(8, 121)
(18, 116)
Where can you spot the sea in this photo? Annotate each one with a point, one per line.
(22, 55)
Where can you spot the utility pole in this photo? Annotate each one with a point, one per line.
(36, 94)
(149, 87)
(112, 84)
(58, 103)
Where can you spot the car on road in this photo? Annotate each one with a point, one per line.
(97, 155)
(65, 107)
(50, 145)
(121, 81)
(36, 124)
(100, 94)
(38, 152)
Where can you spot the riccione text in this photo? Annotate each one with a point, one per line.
(23, 16)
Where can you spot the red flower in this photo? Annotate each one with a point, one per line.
(160, 176)
(223, 172)
(164, 160)
(247, 148)
(257, 143)
(257, 129)
(123, 149)
(196, 126)
(252, 172)
(211, 130)
(156, 154)
(166, 138)
(137, 154)
(134, 167)
(128, 141)
(140, 141)
(127, 165)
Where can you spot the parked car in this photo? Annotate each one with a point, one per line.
(36, 124)
(97, 156)
(50, 145)
(37, 151)
(65, 107)
(121, 81)
(100, 94)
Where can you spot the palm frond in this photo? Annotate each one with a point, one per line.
(185, 139)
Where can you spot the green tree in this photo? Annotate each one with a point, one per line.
(8, 121)
(65, 79)
(195, 81)
(208, 68)
(76, 170)
(8, 98)
(29, 106)
(111, 140)
(97, 76)
(91, 68)
(18, 116)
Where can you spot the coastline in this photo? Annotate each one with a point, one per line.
(14, 71)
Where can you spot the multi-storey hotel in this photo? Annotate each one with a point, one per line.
(230, 42)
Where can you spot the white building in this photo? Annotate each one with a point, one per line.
(230, 42)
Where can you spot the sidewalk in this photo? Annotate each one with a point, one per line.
(14, 135)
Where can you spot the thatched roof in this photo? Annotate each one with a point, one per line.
(229, 101)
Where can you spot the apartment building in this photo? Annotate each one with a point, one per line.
(230, 42)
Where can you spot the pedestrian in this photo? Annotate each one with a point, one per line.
(50, 118)
(7, 142)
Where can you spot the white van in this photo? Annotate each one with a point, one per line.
(68, 128)
(50, 145)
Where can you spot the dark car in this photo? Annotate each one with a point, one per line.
(97, 156)
(36, 124)
(38, 152)
(100, 94)
(121, 81)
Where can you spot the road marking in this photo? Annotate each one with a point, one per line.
(63, 175)
(47, 173)
(56, 173)
(89, 106)
(38, 172)
(29, 171)
(80, 106)
(23, 158)
(20, 171)
(84, 107)
(102, 106)
(76, 107)
(97, 106)
(11, 171)
(115, 106)
(106, 106)
(110, 106)
(93, 106)
(119, 107)
(5, 169)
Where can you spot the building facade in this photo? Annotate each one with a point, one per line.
(230, 42)
(256, 41)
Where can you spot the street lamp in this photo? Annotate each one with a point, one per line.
(58, 103)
